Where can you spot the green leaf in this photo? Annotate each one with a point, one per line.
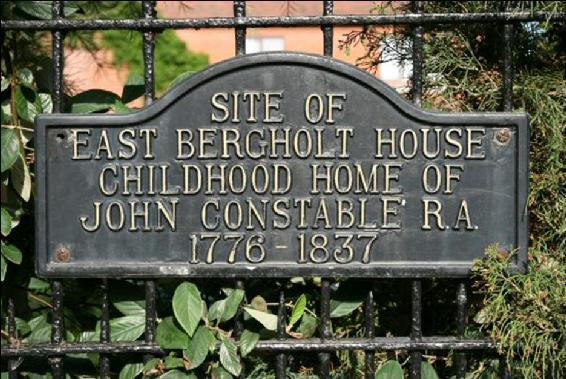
(37, 322)
(390, 370)
(187, 306)
(42, 9)
(128, 298)
(169, 336)
(5, 113)
(220, 373)
(307, 327)
(25, 76)
(5, 85)
(173, 362)
(28, 103)
(10, 148)
(248, 340)
(268, 320)
(5, 222)
(21, 178)
(131, 307)
(22, 327)
(216, 310)
(200, 344)
(120, 107)
(341, 308)
(70, 8)
(89, 336)
(12, 253)
(36, 284)
(298, 310)
(127, 328)
(151, 364)
(46, 102)
(134, 88)
(3, 268)
(131, 370)
(37, 9)
(259, 303)
(94, 100)
(229, 357)
(232, 303)
(427, 371)
(40, 334)
(176, 374)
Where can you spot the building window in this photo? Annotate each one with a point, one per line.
(260, 44)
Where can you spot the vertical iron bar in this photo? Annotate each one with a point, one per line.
(370, 333)
(58, 36)
(148, 7)
(150, 313)
(324, 357)
(58, 329)
(240, 45)
(104, 362)
(281, 358)
(325, 332)
(416, 285)
(418, 57)
(239, 319)
(416, 330)
(240, 11)
(508, 74)
(13, 336)
(328, 31)
(508, 67)
(148, 52)
(461, 305)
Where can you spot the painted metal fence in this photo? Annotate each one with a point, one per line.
(416, 343)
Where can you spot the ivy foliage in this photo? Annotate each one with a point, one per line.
(172, 57)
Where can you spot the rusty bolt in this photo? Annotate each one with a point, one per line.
(63, 254)
(503, 135)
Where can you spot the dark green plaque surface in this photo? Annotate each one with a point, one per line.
(279, 164)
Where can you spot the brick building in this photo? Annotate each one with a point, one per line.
(85, 71)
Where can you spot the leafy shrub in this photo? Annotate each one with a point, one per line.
(172, 57)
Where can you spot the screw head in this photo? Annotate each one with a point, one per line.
(63, 254)
(503, 135)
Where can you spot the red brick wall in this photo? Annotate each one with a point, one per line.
(85, 71)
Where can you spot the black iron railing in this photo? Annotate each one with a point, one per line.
(416, 343)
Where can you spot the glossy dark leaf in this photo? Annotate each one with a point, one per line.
(187, 306)
(232, 303)
(390, 370)
(10, 148)
(134, 88)
(12, 253)
(94, 100)
(170, 336)
(248, 340)
(6, 222)
(229, 357)
(202, 342)
(427, 371)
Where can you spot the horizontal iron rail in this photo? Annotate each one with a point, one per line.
(288, 21)
(288, 345)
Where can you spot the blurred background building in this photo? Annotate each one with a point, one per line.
(102, 69)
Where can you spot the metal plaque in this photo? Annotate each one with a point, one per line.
(279, 164)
